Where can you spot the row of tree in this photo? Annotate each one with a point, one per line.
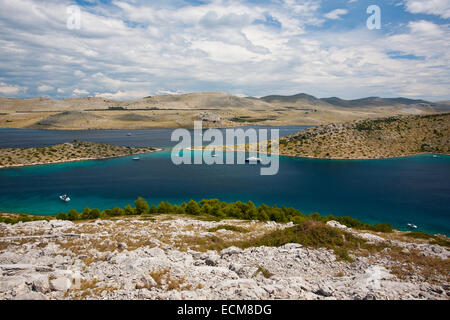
(219, 210)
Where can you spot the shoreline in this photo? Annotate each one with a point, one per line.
(319, 158)
(381, 158)
(250, 124)
(74, 160)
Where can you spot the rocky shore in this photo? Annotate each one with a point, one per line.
(66, 152)
(168, 257)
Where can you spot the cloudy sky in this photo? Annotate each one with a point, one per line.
(131, 49)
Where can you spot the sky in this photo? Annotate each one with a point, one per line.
(132, 49)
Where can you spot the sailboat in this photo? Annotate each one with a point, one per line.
(253, 160)
(64, 198)
(412, 225)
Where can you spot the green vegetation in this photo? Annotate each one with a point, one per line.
(16, 218)
(312, 234)
(216, 210)
(435, 239)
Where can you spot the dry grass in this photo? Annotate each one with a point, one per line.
(431, 268)
(266, 273)
(165, 281)
(89, 288)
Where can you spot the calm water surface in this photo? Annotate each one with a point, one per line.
(412, 189)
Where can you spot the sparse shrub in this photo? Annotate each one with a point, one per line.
(228, 227)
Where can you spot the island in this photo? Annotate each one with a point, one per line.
(386, 137)
(66, 152)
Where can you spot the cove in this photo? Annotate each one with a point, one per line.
(410, 189)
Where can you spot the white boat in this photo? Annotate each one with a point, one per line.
(253, 159)
(64, 198)
(434, 156)
(129, 134)
(136, 158)
(412, 225)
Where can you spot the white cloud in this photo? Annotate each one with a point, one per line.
(79, 74)
(45, 88)
(80, 92)
(135, 48)
(10, 90)
(434, 7)
(124, 95)
(426, 28)
(336, 14)
(170, 92)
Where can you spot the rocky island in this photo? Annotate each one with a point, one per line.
(66, 152)
(372, 138)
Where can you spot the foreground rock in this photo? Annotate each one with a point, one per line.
(165, 258)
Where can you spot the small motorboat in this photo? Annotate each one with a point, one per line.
(64, 198)
(253, 160)
(412, 225)
(129, 134)
(434, 156)
(136, 158)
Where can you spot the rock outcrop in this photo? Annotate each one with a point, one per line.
(162, 258)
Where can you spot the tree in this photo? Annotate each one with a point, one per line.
(193, 208)
(206, 209)
(153, 209)
(73, 215)
(141, 206)
(62, 216)
(85, 215)
(94, 214)
(129, 211)
(179, 210)
(115, 212)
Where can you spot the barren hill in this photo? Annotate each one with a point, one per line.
(69, 119)
(373, 138)
(224, 110)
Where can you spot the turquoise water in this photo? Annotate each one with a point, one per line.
(412, 189)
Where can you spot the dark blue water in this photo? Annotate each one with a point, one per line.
(158, 138)
(398, 191)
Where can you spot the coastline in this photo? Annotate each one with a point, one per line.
(75, 160)
(228, 149)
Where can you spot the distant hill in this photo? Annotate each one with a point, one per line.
(180, 110)
(338, 102)
(372, 138)
(69, 119)
(202, 100)
(301, 97)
